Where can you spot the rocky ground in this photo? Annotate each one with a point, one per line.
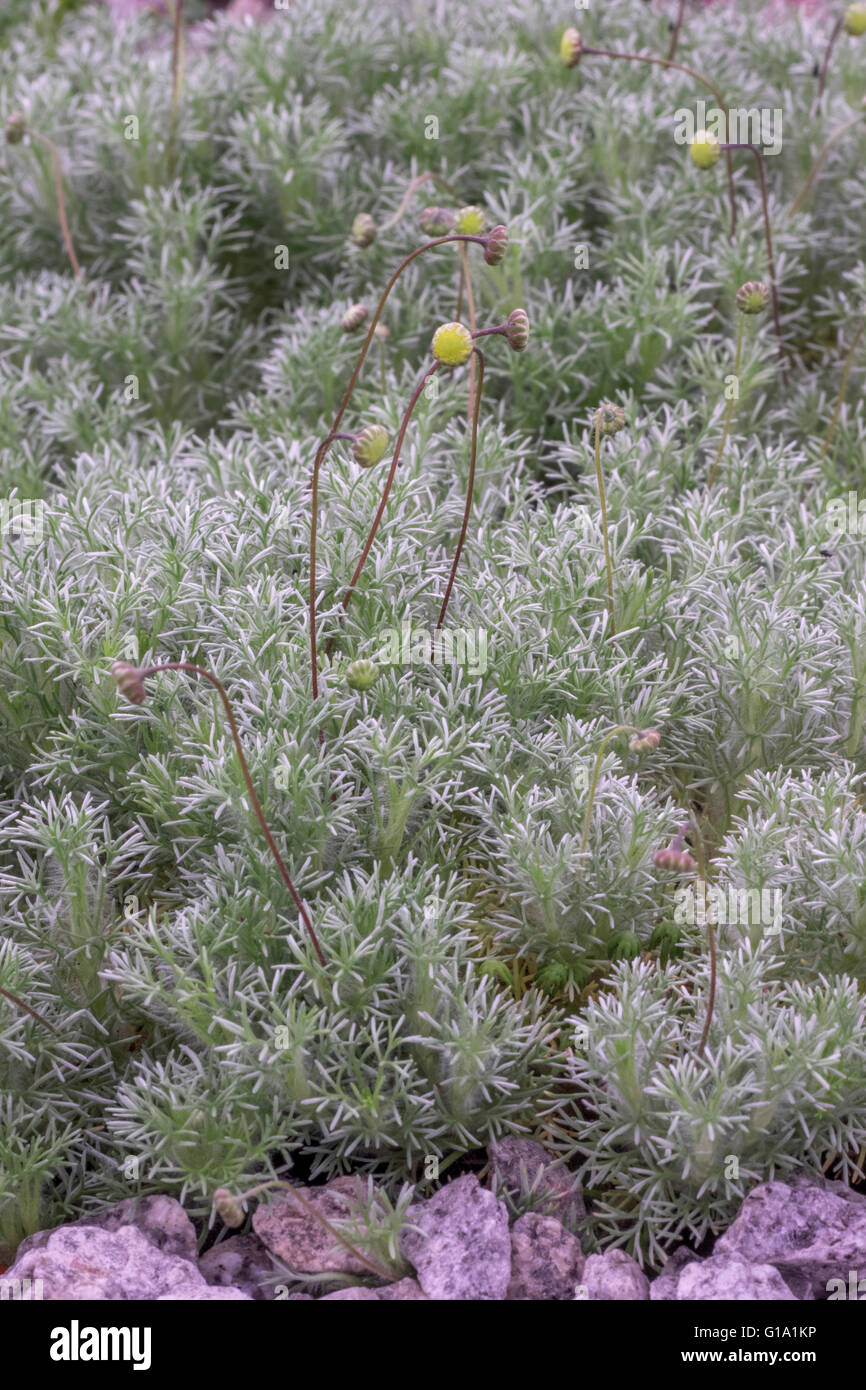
(800, 1240)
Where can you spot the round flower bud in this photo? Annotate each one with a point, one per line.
(753, 297)
(646, 741)
(369, 446)
(362, 674)
(363, 230)
(228, 1207)
(570, 48)
(437, 221)
(382, 332)
(677, 860)
(609, 418)
(354, 317)
(705, 149)
(518, 329)
(495, 244)
(470, 221)
(16, 128)
(129, 681)
(855, 20)
(452, 344)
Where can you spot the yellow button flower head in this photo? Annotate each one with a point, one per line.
(855, 20)
(470, 221)
(452, 344)
(570, 48)
(369, 446)
(705, 149)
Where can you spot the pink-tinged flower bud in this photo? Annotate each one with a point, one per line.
(646, 741)
(354, 317)
(363, 230)
(129, 681)
(228, 1207)
(517, 324)
(753, 297)
(437, 221)
(609, 418)
(495, 244)
(368, 447)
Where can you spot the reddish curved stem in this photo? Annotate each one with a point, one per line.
(386, 491)
(675, 37)
(825, 66)
(469, 487)
(680, 67)
(272, 845)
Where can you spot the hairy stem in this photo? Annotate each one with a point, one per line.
(272, 845)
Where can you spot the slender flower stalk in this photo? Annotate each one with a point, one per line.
(229, 1207)
(830, 432)
(608, 419)
(16, 129)
(130, 682)
(470, 486)
(677, 26)
(752, 298)
(427, 177)
(13, 998)
(828, 53)
(814, 171)
(701, 854)
(176, 83)
(729, 409)
(313, 485)
(768, 237)
(644, 740)
(698, 77)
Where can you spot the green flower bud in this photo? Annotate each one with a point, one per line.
(705, 149)
(363, 230)
(362, 674)
(16, 128)
(354, 317)
(553, 978)
(452, 344)
(470, 221)
(753, 297)
(518, 329)
(855, 20)
(369, 446)
(570, 48)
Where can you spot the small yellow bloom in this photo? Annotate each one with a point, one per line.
(452, 344)
(705, 149)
